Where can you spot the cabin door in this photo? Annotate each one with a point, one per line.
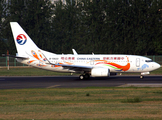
(138, 62)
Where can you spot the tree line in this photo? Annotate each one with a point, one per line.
(99, 26)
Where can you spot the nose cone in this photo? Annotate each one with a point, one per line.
(156, 66)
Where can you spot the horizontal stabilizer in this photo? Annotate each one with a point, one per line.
(22, 57)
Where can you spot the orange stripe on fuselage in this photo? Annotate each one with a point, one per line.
(30, 61)
(100, 61)
(68, 63)
(124, 68)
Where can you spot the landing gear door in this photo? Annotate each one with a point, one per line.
(137, 62)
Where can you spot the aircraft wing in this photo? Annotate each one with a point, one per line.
(76, 67)
(71, 67)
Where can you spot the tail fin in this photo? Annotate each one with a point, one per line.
(23, 42)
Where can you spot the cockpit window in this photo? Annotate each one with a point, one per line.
(148, 61)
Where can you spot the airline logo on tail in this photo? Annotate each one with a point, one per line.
(21, 39)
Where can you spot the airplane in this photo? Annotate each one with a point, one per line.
(85, 64)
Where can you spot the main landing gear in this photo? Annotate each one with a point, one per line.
(84, 76)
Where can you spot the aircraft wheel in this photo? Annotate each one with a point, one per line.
(86, 76)
(81, 77)
(141, 76)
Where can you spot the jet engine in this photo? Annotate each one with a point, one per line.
(100, 72)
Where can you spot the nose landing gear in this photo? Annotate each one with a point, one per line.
(141, 76)
(144, 73)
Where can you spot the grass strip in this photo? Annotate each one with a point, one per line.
(81, 103)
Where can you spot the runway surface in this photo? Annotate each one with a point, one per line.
(75, 82)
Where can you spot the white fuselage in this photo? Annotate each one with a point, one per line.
(115, 63)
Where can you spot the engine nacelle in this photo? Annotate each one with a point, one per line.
(100, 72)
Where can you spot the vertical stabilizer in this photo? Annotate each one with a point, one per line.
(23, 42)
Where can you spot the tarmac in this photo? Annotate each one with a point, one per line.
(75, 82)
